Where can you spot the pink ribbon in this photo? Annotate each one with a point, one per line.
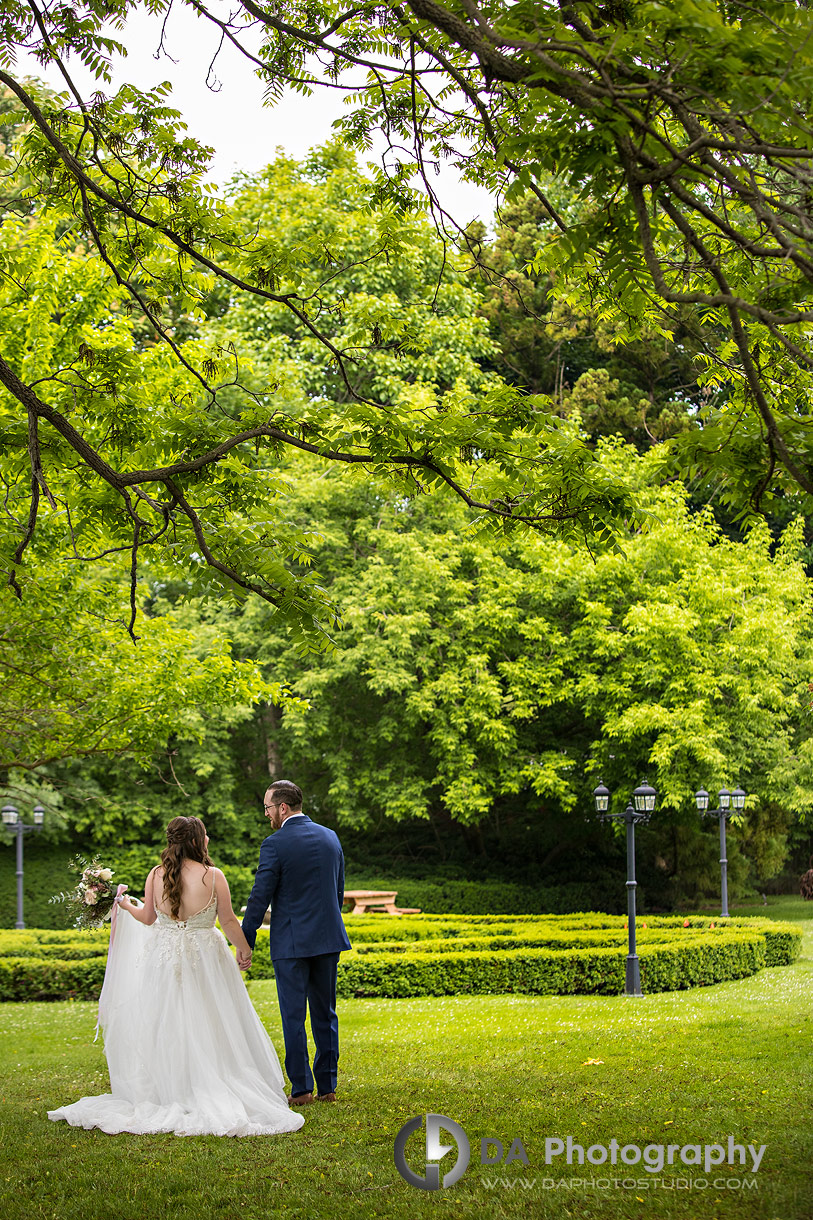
(114, 912)
(116, 904)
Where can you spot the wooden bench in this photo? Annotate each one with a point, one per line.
(382, 901)
(365, 901)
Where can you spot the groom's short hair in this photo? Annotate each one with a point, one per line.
(286, 790)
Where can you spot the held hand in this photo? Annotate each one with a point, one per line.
(244, 960)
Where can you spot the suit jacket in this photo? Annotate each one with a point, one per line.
(301, 877)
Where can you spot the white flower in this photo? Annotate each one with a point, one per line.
(105, 874)
(91, 898)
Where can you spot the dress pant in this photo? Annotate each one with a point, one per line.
(309, 982)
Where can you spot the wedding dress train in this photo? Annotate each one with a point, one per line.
(185, 1048)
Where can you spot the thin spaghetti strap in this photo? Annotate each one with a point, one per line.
(214, 878)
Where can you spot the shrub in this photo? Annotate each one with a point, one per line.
(467, 954)
(436, 955)
(37, 978)
(46, 872)
(599, 971)
(496, 898)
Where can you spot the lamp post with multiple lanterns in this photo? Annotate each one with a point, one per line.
(640, 810)
(11, 819)
(729, 803)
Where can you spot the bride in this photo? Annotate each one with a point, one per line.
(186, 1051)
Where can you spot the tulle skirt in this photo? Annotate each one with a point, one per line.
(185, 1048)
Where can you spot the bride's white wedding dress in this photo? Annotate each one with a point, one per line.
(186, 1050)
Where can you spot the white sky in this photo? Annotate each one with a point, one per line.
(244, 133)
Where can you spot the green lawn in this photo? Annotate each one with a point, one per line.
(682, 1068)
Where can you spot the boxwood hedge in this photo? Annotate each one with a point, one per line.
(46, 864)
(467, 954)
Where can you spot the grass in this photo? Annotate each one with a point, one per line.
(682, 1067)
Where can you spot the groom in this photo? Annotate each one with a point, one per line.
(301, 877)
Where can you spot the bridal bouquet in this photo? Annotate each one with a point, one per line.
(93, 898)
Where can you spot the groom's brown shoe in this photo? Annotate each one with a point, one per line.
(301, 1099)
(326, 1097)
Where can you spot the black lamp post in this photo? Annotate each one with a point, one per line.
(730, 802)
(643, 803)
(11, 819)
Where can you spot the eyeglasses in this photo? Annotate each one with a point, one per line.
(273, 805)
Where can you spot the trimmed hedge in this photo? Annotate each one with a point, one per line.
(470, 954)
(433, 955)
(548, 972)
(39, 978)
(454, 897)
(47, 964)
(46, 871)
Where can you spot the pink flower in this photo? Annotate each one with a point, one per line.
(685, 923)
(91, 897)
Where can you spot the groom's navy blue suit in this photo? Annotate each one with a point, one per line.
(301, 877)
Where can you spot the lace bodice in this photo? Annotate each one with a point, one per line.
(201, 920)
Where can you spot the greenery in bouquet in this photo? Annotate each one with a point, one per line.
(93, 898)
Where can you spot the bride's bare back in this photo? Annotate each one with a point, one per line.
(197, 882)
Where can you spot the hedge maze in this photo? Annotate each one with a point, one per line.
(421, 955)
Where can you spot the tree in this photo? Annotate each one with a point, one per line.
(645, 389)
(169, 438)
(489, 686)
(684, 128)
(72, 686)
(684, 131)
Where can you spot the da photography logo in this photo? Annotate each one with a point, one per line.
(435, 1152)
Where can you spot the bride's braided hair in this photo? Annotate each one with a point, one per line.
(186, 840)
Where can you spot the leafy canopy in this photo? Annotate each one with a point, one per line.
(683, 131)
(137, 418)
